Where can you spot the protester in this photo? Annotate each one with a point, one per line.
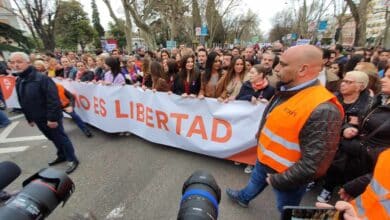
(146, 78)
(373, 203)
(170, 72)
(356, 102)
(131, 71)
(4, 120)
(369, 140)
(113, 76)
(257, 88)
(40, 66)
(100, 68)
(372, 72)
(67, 105)
(83, 74)
(210, 76)
(38, 97)
(230, 83)
(158, 83)
(298, 134)
(187, 83)
(69, 70)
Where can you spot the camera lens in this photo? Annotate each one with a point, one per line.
(41, 194)
(201, 196)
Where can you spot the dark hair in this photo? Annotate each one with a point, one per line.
(156, 70)
(340, 73)
(183, 72)
(326, 54)
(204, 50)
(231, 73)
(339, 47)
(165, 51)
(114, 64)
(209, 65)
(251, 61)
(260, 68)
(173, 69)
(351, 64)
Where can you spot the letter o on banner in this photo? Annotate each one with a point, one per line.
(84, 102)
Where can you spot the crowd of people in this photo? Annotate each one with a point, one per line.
(354, 112)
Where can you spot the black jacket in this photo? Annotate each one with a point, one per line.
(38, 96)
(373, 139)
(318, 141)
(179, 88)
(87, 76)
(247, 91)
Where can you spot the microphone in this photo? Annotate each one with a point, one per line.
(9, 171)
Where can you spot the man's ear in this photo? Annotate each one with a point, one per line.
(303, 69)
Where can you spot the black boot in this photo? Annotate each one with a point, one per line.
(57, 161)
(72, 165)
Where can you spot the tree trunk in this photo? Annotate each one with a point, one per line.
(128, 26)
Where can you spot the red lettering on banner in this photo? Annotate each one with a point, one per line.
(103, 110)
(131, 110)
(162, 120)
(118, 112)
(76, 100)
(149, 117)
(214, 131)
(140, 112)
(178, 117)
(84, 102)
(96, 105)
(198, 122)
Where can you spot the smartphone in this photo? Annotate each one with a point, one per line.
(309, 213)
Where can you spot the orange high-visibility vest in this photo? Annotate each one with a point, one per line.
(278, 145)
(61, 93)
(374, 203)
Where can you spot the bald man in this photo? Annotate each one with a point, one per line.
(299, 132)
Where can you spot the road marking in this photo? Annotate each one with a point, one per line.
(7, 131)
(16, 117)
(117, 212)
(7, 150)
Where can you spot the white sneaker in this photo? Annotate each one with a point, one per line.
(248, 169)
(324, 196)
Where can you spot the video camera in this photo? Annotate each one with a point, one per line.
(41, 193)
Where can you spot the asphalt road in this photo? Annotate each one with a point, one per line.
(128, 177)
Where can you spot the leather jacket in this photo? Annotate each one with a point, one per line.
(318, 139)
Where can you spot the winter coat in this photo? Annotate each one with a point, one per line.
(247, 91)
(38, 96)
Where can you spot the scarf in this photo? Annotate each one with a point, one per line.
(260, 85)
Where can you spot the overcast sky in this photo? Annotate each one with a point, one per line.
(264, 9)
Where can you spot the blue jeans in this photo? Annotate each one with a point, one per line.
(4, 121)
(59, 138)
(76, 118)
(257, 184)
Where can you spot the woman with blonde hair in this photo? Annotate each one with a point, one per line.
(374, 82)
(347, 164)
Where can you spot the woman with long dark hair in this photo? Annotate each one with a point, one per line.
(158, 83)
(188, 81)
(230, 84)
(170, 71)
(210, 76)
(113, 76)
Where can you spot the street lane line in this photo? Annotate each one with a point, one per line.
(20, 139)
(7, 150)
(16, 117)
(8, 130)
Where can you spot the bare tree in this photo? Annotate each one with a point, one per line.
(215, 11)
(359, 13)
(39, 16)
(339, 12)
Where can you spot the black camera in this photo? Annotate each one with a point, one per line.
(200, 197)
(40, 195)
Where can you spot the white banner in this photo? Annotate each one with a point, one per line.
(202, 126)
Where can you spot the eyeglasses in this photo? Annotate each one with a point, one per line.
(349, 82)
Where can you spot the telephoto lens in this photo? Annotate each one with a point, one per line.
(200, 197)
(40, 195)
